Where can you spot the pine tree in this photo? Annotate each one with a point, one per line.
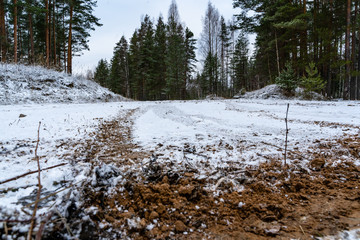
(312, 82)
(287, 80)
(324, 32)
(240, 64)
(175, 54)
(224, 55)
(189, 60)
(141, 59)
(118, 80)
(101, 74)
(134, 65)
(157, 88)
(81, 22)
(147, 58)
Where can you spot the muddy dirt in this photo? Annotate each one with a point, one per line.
(274, 205)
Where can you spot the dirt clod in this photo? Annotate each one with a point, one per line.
(180, 226)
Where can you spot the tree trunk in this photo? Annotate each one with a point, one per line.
(64, 42)
(303, 44)
(3, 42)
(329, 49)
(346, 93)
(31, 32)
(54, 33)
(316, 37)
(357, 84)
(69, 55)
(15, 31)
(353, 55)
(47, 33)
(277, 54)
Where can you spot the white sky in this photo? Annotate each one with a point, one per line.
(122, 17)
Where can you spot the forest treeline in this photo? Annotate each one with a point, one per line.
(155, 65)
(311, 44)
(159, 61)
(292, 35)
(45, 32)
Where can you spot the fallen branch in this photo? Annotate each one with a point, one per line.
(33, 219)
(32, 172)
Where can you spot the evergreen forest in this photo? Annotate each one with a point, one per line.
(46, 32)
(311, 44)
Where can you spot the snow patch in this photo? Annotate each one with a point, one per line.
(21, 84)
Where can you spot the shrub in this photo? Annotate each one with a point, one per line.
(287, 79)
(313, 81)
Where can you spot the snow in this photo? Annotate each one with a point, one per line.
(220, 131)
(273, 91)
(239, 130)
(217, 132)
(345, 235)
(34, 84)
(59, 122)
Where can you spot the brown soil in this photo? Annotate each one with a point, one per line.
(274, 205)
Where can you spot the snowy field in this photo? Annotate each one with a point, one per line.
(233, 130)
(240, 130)
(220, 132)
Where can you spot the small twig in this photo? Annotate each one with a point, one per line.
(6, 230)
(302, 230)
(42, 226)
(287, 132)
(15, 221)
(65, 223)
(31, 172)
(50, 195)
(33, 220)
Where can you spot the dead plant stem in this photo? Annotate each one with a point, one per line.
(287, 132)
(31, 172)
(33, 219)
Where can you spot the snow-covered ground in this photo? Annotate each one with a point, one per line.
(34, 84)
(240, 130)
(205, 134)
(219, 131)
(18, 136)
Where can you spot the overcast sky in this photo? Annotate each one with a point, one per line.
(122, 17)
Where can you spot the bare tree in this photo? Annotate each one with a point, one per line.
(209, 39)
(173, 14)
(209, 48)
